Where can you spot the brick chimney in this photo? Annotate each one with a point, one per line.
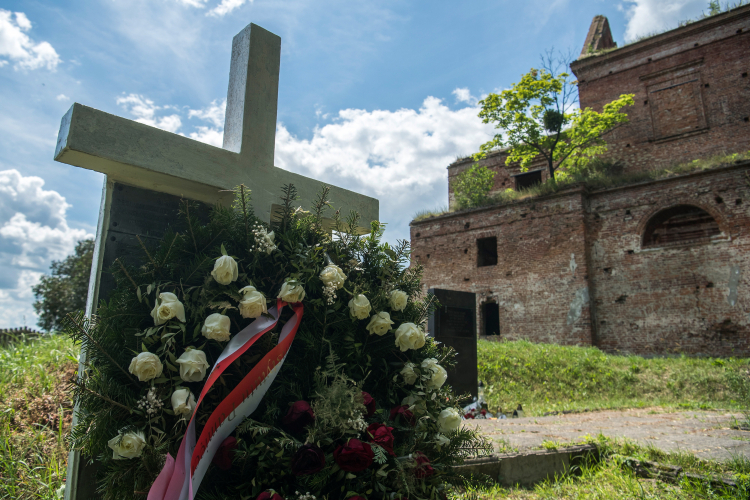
(599, 37)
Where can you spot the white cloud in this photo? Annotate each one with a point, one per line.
(16, 45)
(214, 113)
(208, 135)
(145, 110)
(651, 16)
(33, 232)
(62, 97)
(463, 95)
(226, 6)
(193, 3)
(399, 157)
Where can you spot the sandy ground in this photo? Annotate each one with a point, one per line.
(706, 434)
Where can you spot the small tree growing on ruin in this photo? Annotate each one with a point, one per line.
(472, 186)
(538, 116)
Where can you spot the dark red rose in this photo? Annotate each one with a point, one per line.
(469, 415)
(299, 416)
(269, 495)
(354, 456)
(223, 456)
(356, 497)
(382, 435)
(369, 404)
(309, 459)
(483, 412)
(403, 410)
(423, 469)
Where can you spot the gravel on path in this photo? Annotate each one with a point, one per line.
(706, 434)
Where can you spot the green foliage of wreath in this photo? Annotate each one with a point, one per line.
(332, 360)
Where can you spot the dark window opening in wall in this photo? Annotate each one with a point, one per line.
(491, 318)
(681, 224)
(528, 179)
(487, 252)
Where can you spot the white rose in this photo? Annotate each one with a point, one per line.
(433, 373)
(268, 242)
(410, 376)
(409, 336)
(216, 327)
(332, 275)
(183, 402)
(225, 270)
(398, 300)
(146, 366)
(360, 307)
(416, 404)
(380, 324)
(166, 308)
(441, 440)
(193, 365)
(128, 446)
(253, 303)
(449, 420)
(292, 291)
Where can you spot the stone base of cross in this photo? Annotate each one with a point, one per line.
(149, 170)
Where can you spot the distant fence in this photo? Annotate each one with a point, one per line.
(10, 335)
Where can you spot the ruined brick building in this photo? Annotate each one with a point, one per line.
(650, 267)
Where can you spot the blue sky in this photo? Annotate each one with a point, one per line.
(378, 97)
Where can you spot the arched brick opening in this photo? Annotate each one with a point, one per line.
(679, 225)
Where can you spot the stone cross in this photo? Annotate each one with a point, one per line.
(149, 170)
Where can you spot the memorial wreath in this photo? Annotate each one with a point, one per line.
(247, 361)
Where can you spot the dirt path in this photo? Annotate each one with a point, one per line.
(706, 434)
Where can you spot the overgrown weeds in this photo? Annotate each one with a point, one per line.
(35, 416)
(546, 378)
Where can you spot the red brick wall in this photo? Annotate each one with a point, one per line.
(644, 301)
(670, 299)
(533, 281)
(692, 92)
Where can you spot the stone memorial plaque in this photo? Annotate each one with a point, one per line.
(454, 324)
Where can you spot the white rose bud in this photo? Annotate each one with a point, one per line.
(410, 376)
(193, 365)
(183, 402)
(216, 327)
(409, 336)
(441, 440)
(129, 445)
(146, 366)
(253, 303)
(168, 307)
(360, 307)
(332, 275)
(225, 270)
(398, 300)
(380, 324)
(448, 420)
(292, 292)
(433, 373)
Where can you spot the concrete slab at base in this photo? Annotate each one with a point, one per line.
(529, 467)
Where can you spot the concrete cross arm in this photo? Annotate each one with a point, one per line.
(147, 157)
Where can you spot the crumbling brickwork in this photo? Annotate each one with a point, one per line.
(692, 92)
(571, 267)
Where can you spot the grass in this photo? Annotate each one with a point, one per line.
(35, 416)
(547, 377)
(612, 478)
(601, 175)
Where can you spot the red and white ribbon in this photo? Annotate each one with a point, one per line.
(182, 476)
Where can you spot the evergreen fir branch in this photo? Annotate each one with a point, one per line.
(138, 237)
(320, 206)
(80, 327)
(126, 272)
(169, 250)
(288, 198)
(186, 204)
(81, 385)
